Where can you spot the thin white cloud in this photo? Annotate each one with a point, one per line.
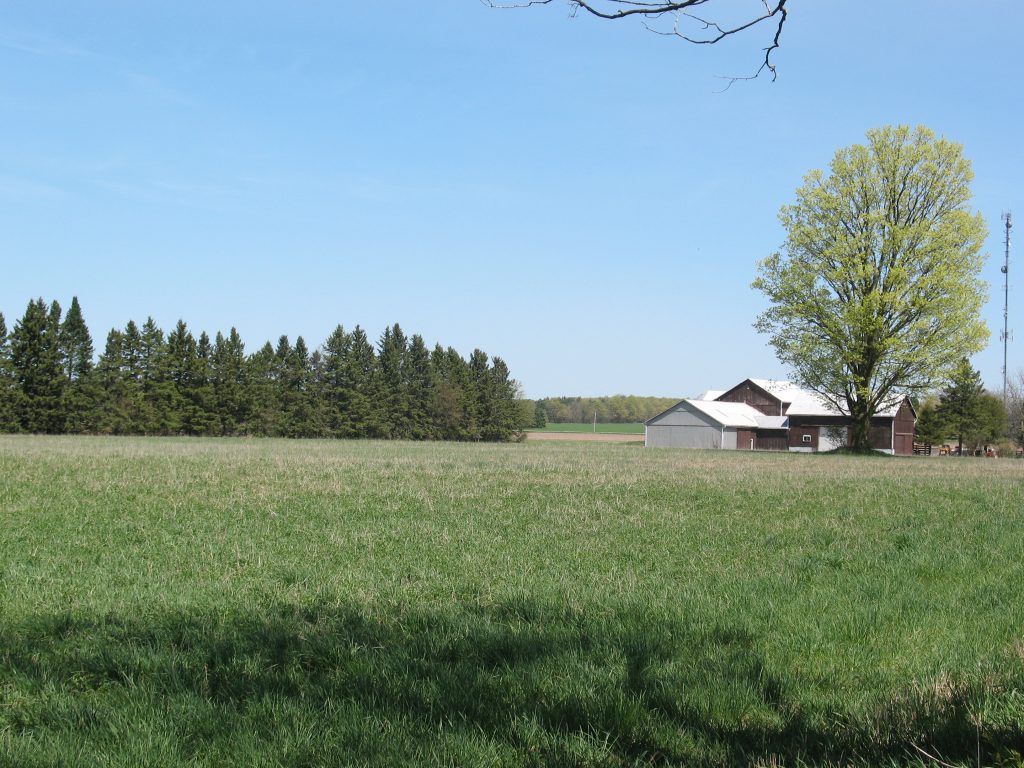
(41, 45)
(18, 188)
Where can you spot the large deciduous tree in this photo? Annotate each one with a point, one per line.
(877, 291)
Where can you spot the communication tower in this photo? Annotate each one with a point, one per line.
(1006, 335)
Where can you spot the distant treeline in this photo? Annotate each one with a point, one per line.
(616, 409)
(149, 383)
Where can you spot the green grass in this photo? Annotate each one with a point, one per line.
(208, 603)
(611, 429)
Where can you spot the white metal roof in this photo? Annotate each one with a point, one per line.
(727, 414)
(712, 394)
(805, 403)
(772, 422)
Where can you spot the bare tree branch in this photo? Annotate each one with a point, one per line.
(707, 32)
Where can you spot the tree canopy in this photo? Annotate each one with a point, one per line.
(877, 292)
(149, 383)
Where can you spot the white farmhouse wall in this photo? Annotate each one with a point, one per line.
(829, 442)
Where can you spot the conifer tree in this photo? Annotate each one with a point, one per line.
(364, 411)
(506, 421)
(133, 403)
(181, 367)
(297, 408)
(263, 393)
(144, 383)
(960, 405)
(76, 348)
(335, 387)
(481, 389)
(131, 352)
(162, 404)
(454, 403)
(315, 395)
(445, 399)
(7, 385)
(110, 413)
(201, 394)
(229, 376)
(394, 406)
(76, 353)
(419, 387)
(35, 363)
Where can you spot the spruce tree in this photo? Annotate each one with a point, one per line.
(38, 375)
(181, 366)
(109, 416)
(294, 383)
(394, 405)
(76, 353)
(262, 393)
(315, 395)
(335, 387)
(162, 401)
(133, 401)
(469, 428)
(507, 416)
(204, 419)
(7, 385)
(960, 405)
(76, 348)
(364, 405)
(419, 388)
(447, 414)
(482, 394)
(228, 374)
(131, 352)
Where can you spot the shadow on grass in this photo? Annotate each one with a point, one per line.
(514, 683)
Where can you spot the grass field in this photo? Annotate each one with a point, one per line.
(273, 603)
(609, 429)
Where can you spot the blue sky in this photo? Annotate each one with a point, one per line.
(573, 195)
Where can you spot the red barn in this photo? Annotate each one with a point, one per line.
(774, 415)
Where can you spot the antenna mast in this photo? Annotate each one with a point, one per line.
(1006, 335)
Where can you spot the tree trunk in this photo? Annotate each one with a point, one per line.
(860, 425)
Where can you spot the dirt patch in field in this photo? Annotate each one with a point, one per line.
(592, 437)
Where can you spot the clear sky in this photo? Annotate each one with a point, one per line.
(573, 195)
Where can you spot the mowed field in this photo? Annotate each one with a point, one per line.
(272, 603)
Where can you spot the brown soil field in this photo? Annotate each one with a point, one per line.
(592, 437)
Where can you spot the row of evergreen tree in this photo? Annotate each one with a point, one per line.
(148, 383)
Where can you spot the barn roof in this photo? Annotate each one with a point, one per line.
(799, 402)
(737, 415)
(805, 403)
(712, 394)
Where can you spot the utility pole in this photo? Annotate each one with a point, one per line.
(1006, 335)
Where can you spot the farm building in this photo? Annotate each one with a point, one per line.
(764, 414)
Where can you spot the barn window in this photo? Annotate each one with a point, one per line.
(807, 438)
